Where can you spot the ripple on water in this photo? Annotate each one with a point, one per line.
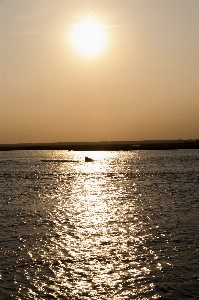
(116, 228)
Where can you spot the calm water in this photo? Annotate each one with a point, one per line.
(125, 226)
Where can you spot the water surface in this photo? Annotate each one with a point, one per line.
(125, 226)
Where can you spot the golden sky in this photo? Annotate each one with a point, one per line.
(140, 82)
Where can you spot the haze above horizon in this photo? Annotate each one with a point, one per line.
(99, 70)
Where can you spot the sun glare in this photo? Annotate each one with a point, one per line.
(89, 37)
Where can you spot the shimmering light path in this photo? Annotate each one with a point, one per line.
(115, 228)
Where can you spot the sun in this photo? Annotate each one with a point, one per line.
(89, 37)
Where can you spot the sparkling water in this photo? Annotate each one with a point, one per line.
(125, 226)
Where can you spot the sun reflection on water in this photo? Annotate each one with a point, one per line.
(96, 249)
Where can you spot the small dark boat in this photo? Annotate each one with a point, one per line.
(88, 159)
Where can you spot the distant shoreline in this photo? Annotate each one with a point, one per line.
(105, 146)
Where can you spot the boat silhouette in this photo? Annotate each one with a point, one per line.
(88, 159)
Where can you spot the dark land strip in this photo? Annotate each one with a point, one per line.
(105, 146)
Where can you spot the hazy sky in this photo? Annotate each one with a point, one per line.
(143, 85)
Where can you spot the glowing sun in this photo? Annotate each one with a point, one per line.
(89, 37)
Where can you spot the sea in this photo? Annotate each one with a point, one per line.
(125, 226)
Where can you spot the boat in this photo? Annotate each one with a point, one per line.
(88, 159)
